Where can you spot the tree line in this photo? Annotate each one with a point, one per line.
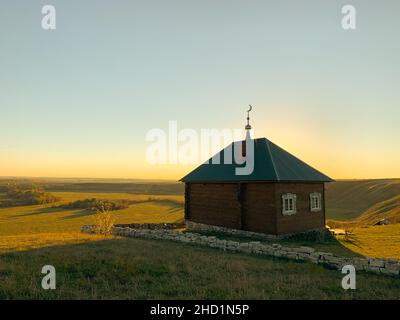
(16, 196)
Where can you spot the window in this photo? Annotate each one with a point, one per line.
(315, 201)
(288, 204)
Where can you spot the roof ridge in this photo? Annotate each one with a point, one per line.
(272, 159)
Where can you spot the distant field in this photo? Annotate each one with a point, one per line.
(98, 267)
(346, 200)
(388, 210)
(45, 219)
(101, 185)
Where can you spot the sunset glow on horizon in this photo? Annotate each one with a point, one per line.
(338, 161)
(78, 101)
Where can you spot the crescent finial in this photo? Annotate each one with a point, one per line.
(248, 126)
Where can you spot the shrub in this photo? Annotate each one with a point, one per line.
(104, 222)
(97, 204)
(33, 195)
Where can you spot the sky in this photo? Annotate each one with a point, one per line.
(79, 100)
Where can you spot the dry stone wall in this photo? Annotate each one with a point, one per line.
(377, 266)
(200, 227)
(153, 226)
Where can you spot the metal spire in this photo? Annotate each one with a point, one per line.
(248, 126)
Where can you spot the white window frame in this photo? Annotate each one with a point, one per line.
(292, 209)
(315, 196)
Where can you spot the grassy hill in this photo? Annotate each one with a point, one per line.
(98, 267)
(121, 268)
(387, 209)
(357, 205)
(374, 199)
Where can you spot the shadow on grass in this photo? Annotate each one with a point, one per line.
(175, 210)
(326, 244)
(80, 213)
(41, 211)
(173, 206)
(121, 268)
(166, 203)
(72, 213)
(351, 239)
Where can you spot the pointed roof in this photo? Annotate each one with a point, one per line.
(271, 163)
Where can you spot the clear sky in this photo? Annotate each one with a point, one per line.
(78, 101)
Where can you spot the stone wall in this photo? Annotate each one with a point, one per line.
(153, 226)
(199, 227)
(377, 266)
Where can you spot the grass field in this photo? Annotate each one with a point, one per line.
(145, 269)
(376, 241)
(388, 210)
(357, 206)
(346, 200)
(98, 267)
(45, 219)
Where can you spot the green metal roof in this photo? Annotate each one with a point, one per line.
(271, 163)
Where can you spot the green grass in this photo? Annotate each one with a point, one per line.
(376, 241)
(97, 267)
(147, 269)
(383, 210)
(47, 219)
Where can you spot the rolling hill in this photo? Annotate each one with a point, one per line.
(363, 201)
(388, 209)
(109, 267)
